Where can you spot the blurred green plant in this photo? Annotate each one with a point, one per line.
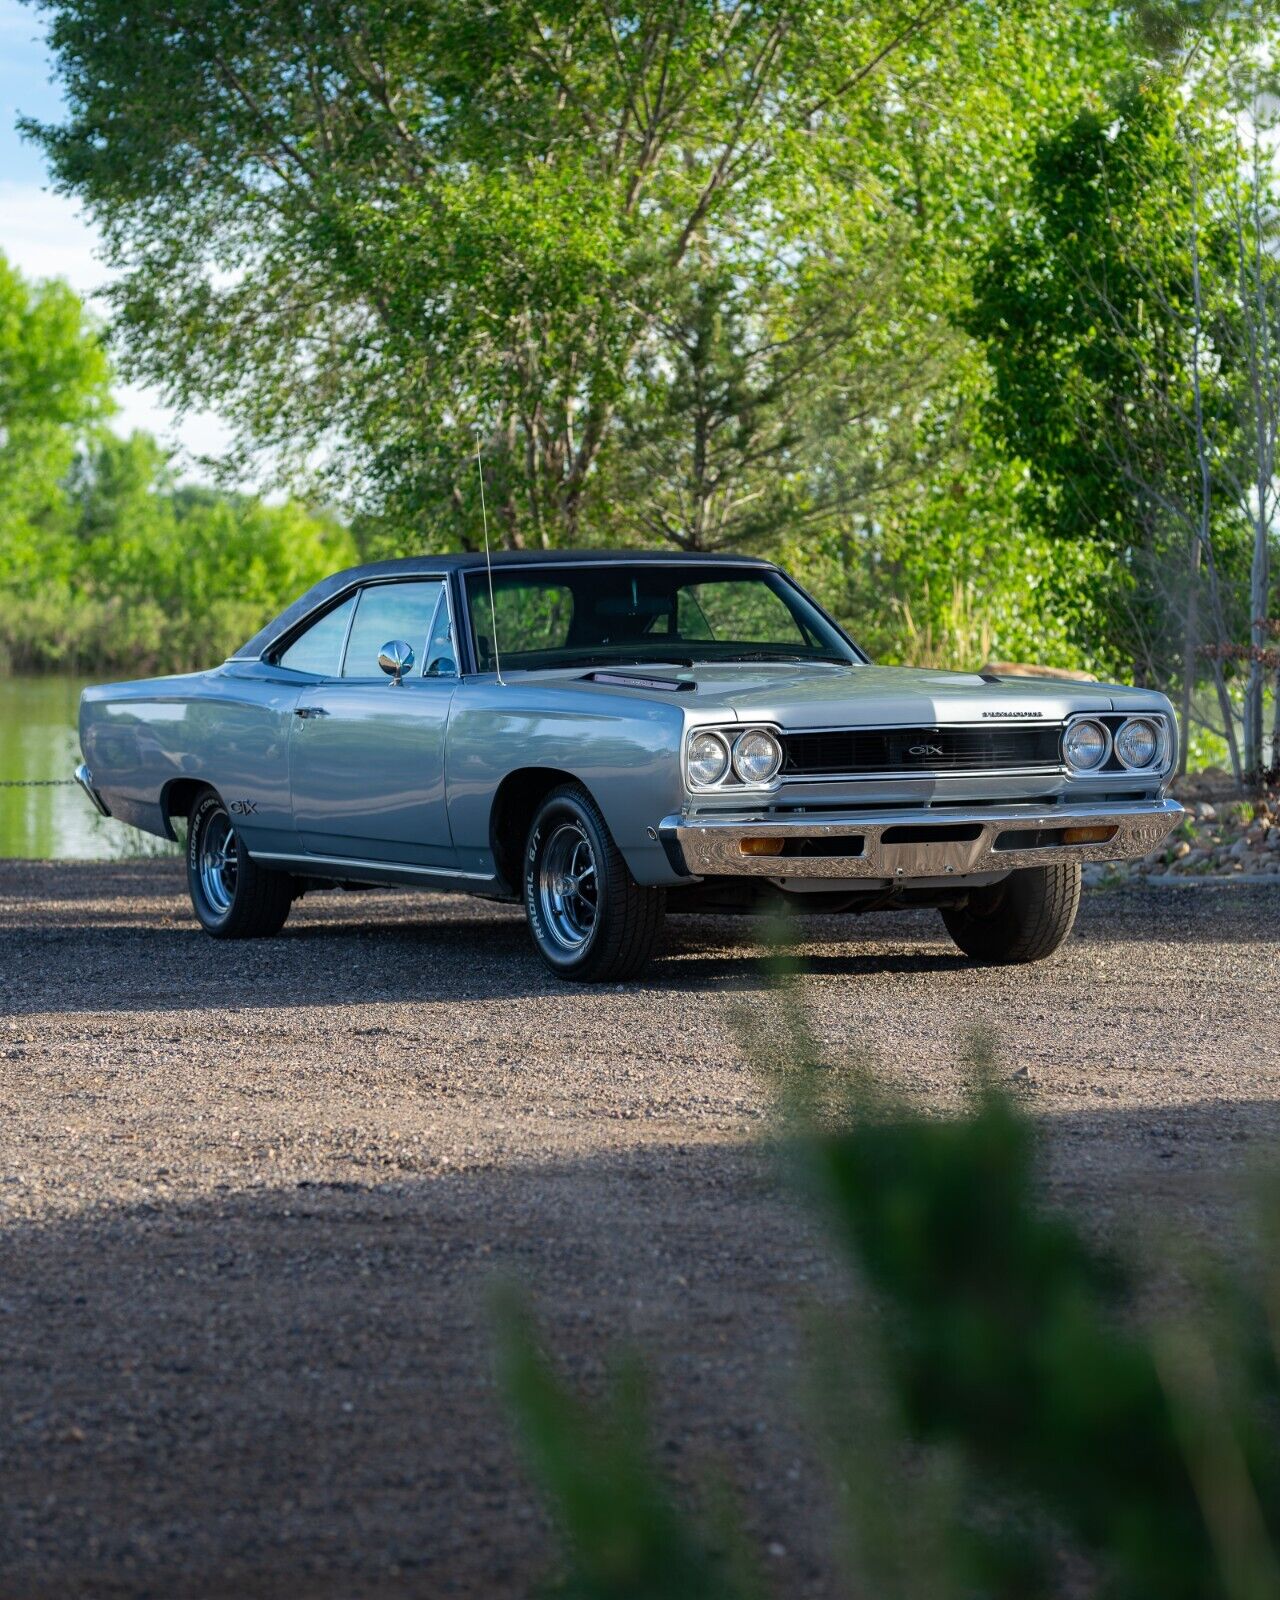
(1022, 1411)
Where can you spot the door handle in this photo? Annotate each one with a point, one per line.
(310, 711)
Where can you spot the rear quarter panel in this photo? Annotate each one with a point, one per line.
(228, 728)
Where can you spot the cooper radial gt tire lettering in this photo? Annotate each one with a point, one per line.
(232, 896)
(1023, 918)
(590, 920)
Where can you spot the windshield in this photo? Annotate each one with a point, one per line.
(614, 615)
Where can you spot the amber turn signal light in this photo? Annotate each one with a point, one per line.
(1087, 835)
(761, 847)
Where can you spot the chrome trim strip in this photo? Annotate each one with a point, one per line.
(710, 844)
(85, 779)
(372, 866)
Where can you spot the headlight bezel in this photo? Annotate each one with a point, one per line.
(1113, 766)
(726, 751)
(1159, 729)
(731, 780)
(1072, 726)
(778, 754)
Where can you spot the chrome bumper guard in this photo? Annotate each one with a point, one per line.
(85, 779)
(916, 842)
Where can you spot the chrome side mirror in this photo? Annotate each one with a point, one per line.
(395, 658)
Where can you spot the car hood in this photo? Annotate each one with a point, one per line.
(812, 695)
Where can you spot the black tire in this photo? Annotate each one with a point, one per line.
(590, 939)
(240, 899)
(1025, 917)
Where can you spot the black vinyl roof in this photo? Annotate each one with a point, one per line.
(470, 561)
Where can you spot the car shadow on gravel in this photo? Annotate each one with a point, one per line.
(286, 1391)
(107, 963)
(128, 944)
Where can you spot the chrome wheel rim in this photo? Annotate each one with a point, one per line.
(568, 891)
(219, 862)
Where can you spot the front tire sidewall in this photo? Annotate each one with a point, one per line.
(1023, 919)
(564, 808)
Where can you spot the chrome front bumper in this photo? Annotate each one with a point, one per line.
(85, 779)
(915, 842)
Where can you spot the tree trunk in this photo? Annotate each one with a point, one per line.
(1190, 646)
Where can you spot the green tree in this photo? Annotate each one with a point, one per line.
(53, 391)
(373, 229)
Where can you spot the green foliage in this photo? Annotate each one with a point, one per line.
(1005, 1343)
(147, 575)
(687, 268)
(105, 560)
(1103, 308)
(840, 283)
(624, 1532)
(53, 387)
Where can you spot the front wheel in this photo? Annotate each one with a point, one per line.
(589, 918)
(232, 896)
(1024, 917)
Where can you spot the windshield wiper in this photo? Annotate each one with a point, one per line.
(781, 655)
(611, 660)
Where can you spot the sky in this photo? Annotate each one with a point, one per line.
(44, 235)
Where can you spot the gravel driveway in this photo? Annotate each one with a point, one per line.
(252, 1198)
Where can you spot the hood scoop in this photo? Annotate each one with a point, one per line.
(640, 680)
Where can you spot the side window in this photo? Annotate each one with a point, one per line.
(319, 649)
(389, 611)
(441, 660)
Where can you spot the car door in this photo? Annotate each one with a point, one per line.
(367, 753)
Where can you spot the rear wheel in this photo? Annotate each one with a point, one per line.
(589, 918)
(1024, 917)
(232, 896)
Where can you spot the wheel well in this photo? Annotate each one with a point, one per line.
(519, 795)
(179, 796)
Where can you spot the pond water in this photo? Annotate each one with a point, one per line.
(38, 742)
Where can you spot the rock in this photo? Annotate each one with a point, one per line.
(1239, 849)
(1193, 858)
(1181, 849)
(1204, 812)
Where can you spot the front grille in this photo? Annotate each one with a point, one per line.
(895, 750)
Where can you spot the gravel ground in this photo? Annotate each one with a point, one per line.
(253, 1198)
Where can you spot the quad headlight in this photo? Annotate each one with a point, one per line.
(1116, 743)
(708, 759)
(1086, 745)
(726, 758)
(1138, 743)
(757, 755)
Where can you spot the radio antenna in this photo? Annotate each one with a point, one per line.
(488, 566)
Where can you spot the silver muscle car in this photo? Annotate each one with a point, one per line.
(606, 735)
